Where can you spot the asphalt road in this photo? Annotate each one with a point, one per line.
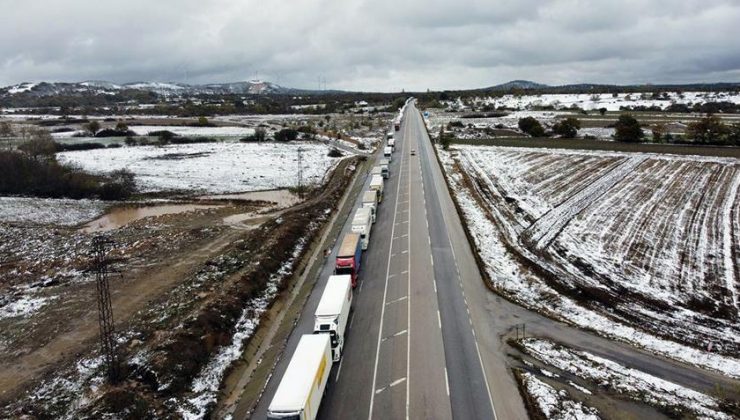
(425, 336)
(410, 350)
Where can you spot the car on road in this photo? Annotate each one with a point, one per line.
(413, 152)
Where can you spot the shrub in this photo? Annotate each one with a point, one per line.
(259, 135)
(92, 127)
(628, 129)
(39, 146)
(709, 130)
(286, 134)
(63, 147)
(567, 128)
(107, 132)
(454, 124)
(531, 126)
(335, 153)
(23, 174)
(192, 140)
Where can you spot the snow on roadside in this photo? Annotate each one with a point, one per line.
(205, 387)
(633, 383)
(210, 167)
(531, 292)
(23, 307)
(556, 404)
(64, 395)
(54, 211)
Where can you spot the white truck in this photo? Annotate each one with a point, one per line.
(370, 200)
(388, 152)
(377, 170)
(302, 386)
(392, 144)
(362, 223)
(332, 315)
(376, 183)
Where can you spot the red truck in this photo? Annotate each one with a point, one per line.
(397, 125)
(348, 257)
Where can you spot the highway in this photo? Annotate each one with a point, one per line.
(411, 348)
(426, 337)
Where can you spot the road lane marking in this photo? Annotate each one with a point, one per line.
(339, 370)
(439, 319)
(447, 382)
(385, 294)
(397, 300)
(352, 319)
(396, 382)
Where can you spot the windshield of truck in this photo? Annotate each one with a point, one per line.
(343, 270)
(281, 416)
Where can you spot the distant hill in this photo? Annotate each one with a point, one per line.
(98, 87)
(594, 87)
(518, 84)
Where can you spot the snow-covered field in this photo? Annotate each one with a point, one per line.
(49, 210)
(628, 382)
(210, 167)
(555, 404)
(603, 100)
(639, 247)
(144, 130)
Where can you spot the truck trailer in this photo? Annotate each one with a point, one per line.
(332, 314)
(370, 200)
(349, 256)
(376, 183)
(362, 223)
(302, 386)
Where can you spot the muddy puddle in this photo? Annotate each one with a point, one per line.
(121, 216)
(281, 198)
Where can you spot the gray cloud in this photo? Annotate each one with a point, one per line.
(371, 45)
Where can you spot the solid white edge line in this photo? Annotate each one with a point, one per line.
(447, 382)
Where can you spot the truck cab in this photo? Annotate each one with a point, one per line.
(388, 152)
(332, 314)
(370, 200)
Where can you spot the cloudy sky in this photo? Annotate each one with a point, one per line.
(380, 45)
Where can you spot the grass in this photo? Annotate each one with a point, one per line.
(585, 144)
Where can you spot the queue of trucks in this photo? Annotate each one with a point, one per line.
(302, 386)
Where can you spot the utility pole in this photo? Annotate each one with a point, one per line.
(105, 309)
(300, 172)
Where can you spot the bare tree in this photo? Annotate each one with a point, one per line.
(39, 145)
(6, 132)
